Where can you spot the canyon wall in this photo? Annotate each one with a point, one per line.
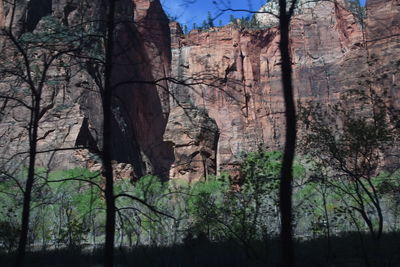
(238, 72)
(189, 106)
(237, 80)
(71, 127)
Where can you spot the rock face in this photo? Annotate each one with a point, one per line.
(189, 106)
(239, 72)
(142, 63)
(194, 136)
(74, 117)
(383, 47)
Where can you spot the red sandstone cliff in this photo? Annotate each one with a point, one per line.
(383, 46)
(232, 101)
(140, 107)
(240, 72)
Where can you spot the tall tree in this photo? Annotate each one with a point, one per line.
(33, 60)
(285, 190)
(106, 151)
(34, 56)
(34, 73)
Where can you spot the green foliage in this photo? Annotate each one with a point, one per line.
(9, 234)
(249, 22)
(54, 39)
(206, 204)
(245, 22)
(148, 188)
(223, 211)
(79, 193)
(64, 205)
(143, 222)
(388, 183)
(78, 203)
(54, 33)
(68, 210)
(206, 24)
(210, 20)
(9, 216)
(349, 142)
(73, 234)
(260, 170)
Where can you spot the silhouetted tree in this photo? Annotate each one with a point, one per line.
(106, 151)
(35, 55)
(286, 11)
(285, 192)
(354, 147)
(210, 20)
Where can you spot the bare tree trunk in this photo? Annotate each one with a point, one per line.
(33, 132)
(328, 225)
(106, 153)
(287, 247)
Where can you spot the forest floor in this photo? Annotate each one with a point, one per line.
(347, 250)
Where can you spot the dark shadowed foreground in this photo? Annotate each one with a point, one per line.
(346, 250)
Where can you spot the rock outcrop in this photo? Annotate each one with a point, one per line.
(194, 137)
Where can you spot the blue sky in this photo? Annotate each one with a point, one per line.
(195, 11)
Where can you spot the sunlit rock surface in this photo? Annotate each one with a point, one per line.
(239, 72)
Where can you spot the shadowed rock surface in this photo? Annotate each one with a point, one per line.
(140, 106)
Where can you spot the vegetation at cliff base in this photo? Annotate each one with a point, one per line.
(208, 216)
